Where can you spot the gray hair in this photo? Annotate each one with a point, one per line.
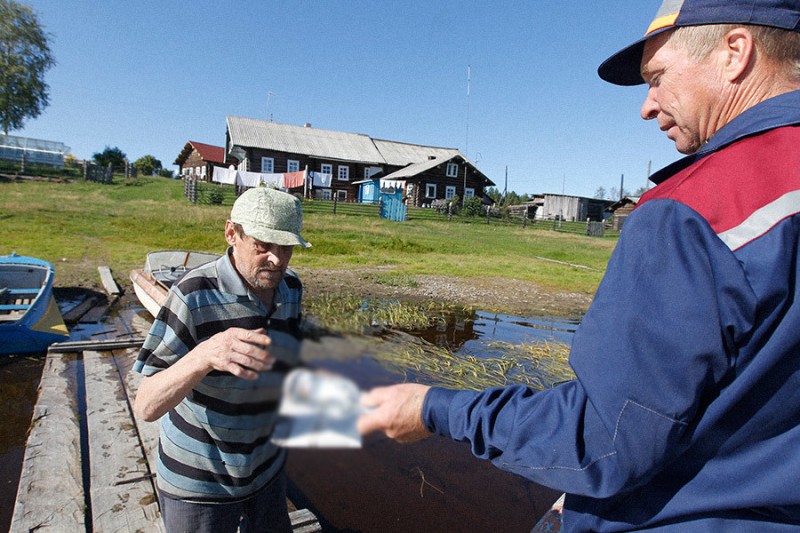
(778, 45)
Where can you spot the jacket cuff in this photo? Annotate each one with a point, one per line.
(436, 410)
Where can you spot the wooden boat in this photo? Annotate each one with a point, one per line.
(161, 269)
(29, 318)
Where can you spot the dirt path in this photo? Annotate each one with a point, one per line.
(503, 295)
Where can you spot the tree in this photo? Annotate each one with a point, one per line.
(600, 193)
(114, 156)
(24, 58)
(147, 165)
(473, 207)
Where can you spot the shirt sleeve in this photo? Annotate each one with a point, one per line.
(171, 336)
(650, 354)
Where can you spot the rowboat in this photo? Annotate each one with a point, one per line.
(30, 320)
(161, 269)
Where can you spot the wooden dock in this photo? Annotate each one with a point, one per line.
(89, 462)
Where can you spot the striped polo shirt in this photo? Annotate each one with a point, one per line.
(215, 445)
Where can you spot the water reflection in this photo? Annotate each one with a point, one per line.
(470, 332)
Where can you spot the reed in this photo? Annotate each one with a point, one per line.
(350, 314)
(538, 365)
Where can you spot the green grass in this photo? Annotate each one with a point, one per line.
(80, 225)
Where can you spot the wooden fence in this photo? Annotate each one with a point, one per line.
(205, 193)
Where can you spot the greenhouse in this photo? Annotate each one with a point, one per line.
(32, 151)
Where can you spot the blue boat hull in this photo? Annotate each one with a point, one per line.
(29, 317)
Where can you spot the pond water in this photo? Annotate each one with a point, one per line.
(433, 485)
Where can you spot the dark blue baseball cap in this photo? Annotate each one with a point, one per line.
(623, 68)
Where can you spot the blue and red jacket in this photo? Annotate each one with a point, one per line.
(685, 414)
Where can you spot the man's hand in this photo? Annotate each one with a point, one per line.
(395, 410)
(242, 352)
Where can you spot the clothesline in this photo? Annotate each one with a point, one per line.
(243, 178)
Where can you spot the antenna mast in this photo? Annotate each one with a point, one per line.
(469, 75)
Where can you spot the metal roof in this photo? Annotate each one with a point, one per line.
(313, 142)
(402, 154)
(417, 168)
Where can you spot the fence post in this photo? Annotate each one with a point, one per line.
(449, 211)
(335, 199)
(525, 218)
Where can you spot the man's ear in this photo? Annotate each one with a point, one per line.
(230, 232)
(739, 50)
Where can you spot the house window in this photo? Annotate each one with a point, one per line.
(326, 194)
(292, 165)
(191, 171)
(267, 165)
(325, 168)
(449, 192)
(203, 172)
(341, 196)
(242, 165)
(452, 170)
(344, 173)
(197, 172)
(430, 190)
(469, 192)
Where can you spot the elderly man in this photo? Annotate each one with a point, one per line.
(214, 361)
(685, 414)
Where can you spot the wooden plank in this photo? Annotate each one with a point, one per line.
(304, 521)
(50, 495)
(122, 491)
(107, 279)
(148, 431)
(97, 345)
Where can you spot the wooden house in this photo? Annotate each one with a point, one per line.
(620, 210)
(341, 165)
(198, 159)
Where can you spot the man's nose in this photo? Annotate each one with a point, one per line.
(650, 107)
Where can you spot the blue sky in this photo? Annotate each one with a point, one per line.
(148, 76)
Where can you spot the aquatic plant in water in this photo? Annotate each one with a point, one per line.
(538, 365)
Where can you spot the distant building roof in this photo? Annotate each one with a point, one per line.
(634, 200)
(401, 154)
(327, 144)
(313, 142)
(210, 153)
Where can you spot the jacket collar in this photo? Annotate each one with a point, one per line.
(781, 110)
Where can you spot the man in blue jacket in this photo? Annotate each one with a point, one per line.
(685, 414)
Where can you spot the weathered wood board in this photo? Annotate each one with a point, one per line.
(122, 493)
(50, 494)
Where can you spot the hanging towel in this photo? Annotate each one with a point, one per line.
(294, 179)
(321, 180)
(225, 175)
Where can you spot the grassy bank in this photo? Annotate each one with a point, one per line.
(79, 225)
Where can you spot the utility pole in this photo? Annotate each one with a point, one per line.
(505, 189)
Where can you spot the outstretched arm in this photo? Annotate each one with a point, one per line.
(241, 352)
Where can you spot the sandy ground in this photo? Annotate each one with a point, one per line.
(503, 295)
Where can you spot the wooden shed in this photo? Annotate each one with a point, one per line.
(621, 209)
